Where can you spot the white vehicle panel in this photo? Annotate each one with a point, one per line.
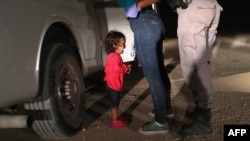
(117, 21)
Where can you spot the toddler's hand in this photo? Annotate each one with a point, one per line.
(129, 68)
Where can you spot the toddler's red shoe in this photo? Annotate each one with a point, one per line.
(121, 119)
(119, 124)
(118, 118)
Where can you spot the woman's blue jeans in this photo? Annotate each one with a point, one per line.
(148, 31)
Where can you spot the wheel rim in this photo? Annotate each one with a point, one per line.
(68, 90)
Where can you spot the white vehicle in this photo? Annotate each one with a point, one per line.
(48, 50)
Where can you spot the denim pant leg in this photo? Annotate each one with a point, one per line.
(164, 75)
(148, 30)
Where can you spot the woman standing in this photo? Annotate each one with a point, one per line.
(148, 32)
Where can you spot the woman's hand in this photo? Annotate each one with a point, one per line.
(132, 12)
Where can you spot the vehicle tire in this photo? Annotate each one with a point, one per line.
(59, 110)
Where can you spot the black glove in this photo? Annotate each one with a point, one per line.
(177, 3)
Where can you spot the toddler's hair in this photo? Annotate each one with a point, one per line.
(112, 39)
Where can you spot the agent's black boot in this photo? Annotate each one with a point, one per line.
(201, 125)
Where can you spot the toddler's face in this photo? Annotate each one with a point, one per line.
(121, 45)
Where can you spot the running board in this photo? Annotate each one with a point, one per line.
(15, 121)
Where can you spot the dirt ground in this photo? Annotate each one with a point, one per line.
(230, 77)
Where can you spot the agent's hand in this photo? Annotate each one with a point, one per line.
(132, 11)
(178, 3)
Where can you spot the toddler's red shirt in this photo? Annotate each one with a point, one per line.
(115, 71)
